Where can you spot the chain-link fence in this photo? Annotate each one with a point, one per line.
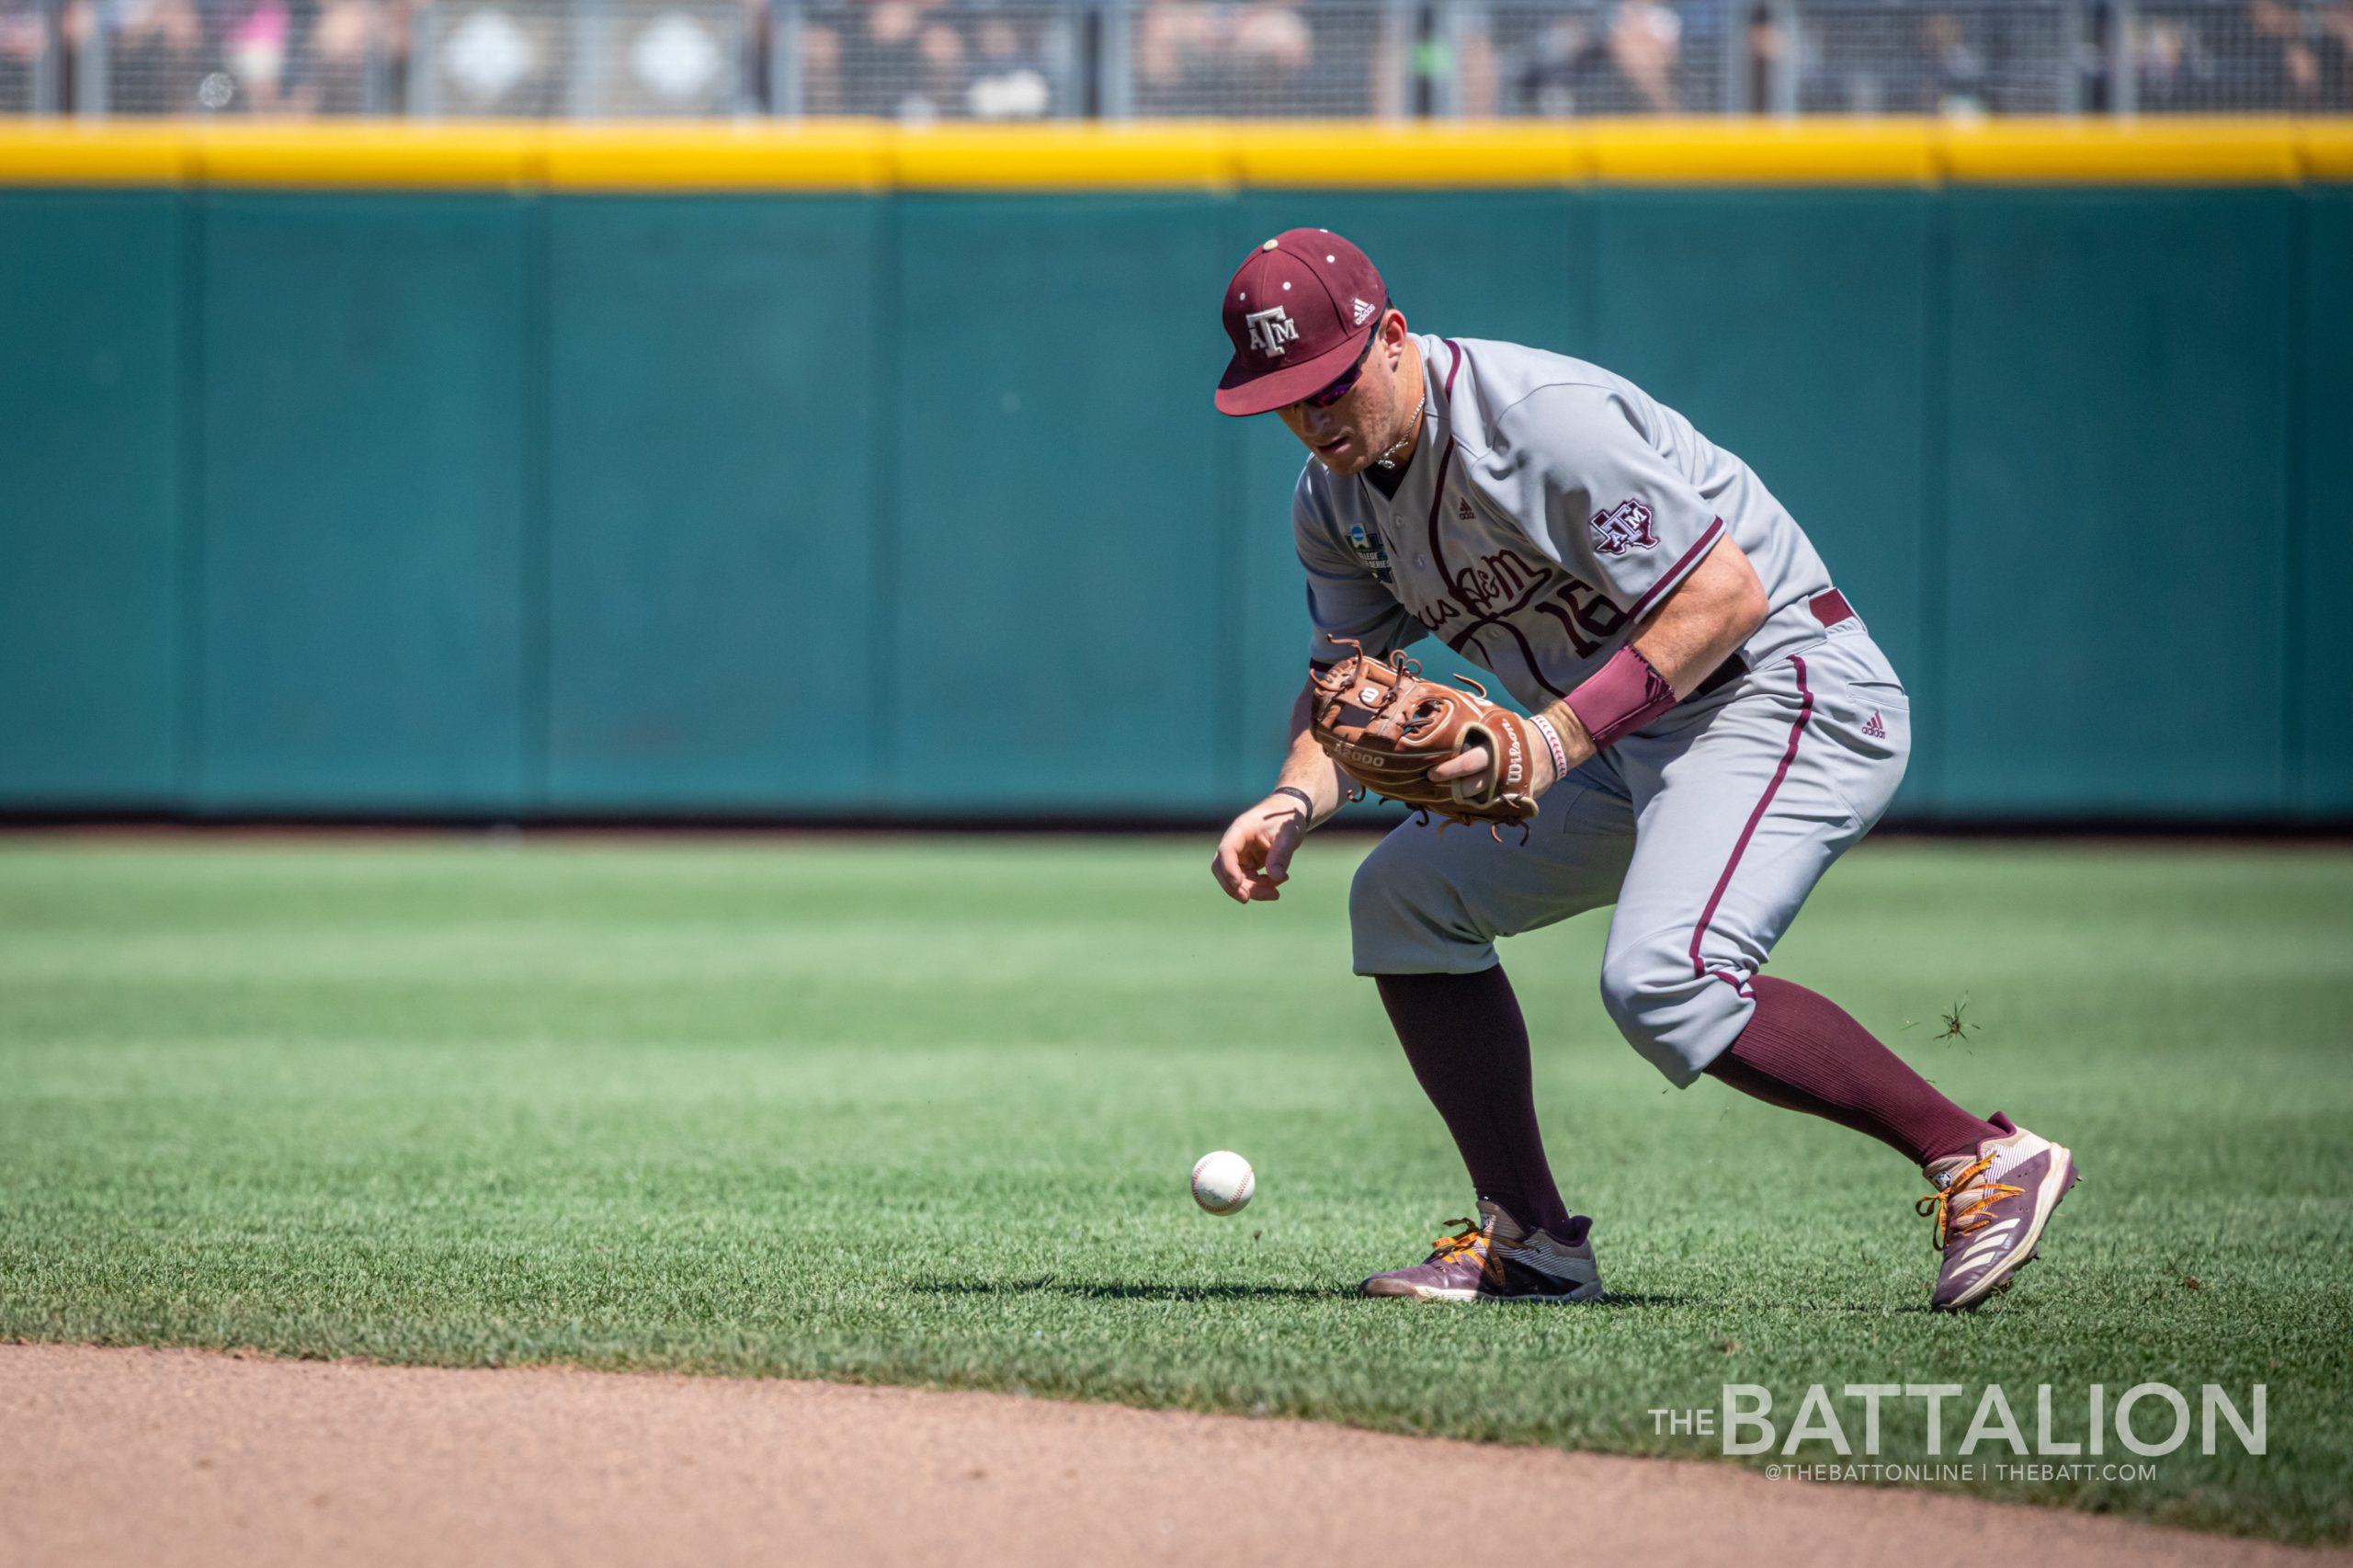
(604, 58)
(25, 53)
(1004, 59)
(183, 57)
(1982, 57)
(1262, 60)
(900, 60)
(1630, 57)
(2263, 56)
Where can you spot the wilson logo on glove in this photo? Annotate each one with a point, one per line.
(1386, 727)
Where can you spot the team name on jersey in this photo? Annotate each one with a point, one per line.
(1489, 590)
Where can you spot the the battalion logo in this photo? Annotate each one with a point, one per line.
(1363, 311)
(1270, 329)
(1626, 526)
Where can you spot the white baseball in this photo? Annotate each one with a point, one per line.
(1223, 1182)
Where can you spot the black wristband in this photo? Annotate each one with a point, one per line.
(1306, 801)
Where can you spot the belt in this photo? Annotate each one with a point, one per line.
(1829, 608)
(1731, 670)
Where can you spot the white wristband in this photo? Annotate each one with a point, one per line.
(1552, 739)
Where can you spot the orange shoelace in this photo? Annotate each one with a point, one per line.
(1955, 1222)
(1445, 1249)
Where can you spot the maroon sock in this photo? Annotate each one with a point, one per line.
(1804, 1052)
(1468, 1044)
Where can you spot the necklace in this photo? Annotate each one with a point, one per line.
(1412, 428)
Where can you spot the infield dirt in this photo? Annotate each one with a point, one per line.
(118, 1456)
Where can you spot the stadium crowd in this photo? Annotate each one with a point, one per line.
(1029, 58)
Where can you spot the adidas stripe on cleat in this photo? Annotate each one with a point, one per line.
(1493, 1258)
(1991, 1210)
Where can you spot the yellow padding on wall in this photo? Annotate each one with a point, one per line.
(1733, 152)
(63, 152)
(379, 155)
(1070, 156)
(2137, 151)
(1431, 153)
(760, 156)
(2327, 148)
(866, 155)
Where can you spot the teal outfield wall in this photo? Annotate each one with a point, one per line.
(500, 506)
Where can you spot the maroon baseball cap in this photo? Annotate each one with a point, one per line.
(1299, 311)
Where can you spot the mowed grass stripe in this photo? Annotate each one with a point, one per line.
(912, 1110)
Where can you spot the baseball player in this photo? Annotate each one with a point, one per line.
(1710, 725)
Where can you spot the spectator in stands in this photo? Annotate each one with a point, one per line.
(332, 63)
(2172, 68)
(902, 59)
(290, 58)
(2271, 56)
(2333, 26)
(23, 37)
(1768, 47)
(1645, 43)
(817, 60)
(2300, 56)
(156, 57)
(1551, 71)
(1958, 77)
(1622, 61)
(756, 20)
(1010, 77)
(1227, 59)
(256, 53)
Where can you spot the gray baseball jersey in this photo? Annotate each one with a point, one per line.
(1549, 506)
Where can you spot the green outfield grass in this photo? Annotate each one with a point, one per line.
(922, 1111)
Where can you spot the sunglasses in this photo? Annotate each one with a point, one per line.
(1348, 381)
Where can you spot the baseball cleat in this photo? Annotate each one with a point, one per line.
(1492, 1258)
(1990, 1212)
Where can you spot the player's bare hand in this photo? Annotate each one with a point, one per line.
(1252, 860)
(1473, 762)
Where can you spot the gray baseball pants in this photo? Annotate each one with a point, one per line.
(1708, 830)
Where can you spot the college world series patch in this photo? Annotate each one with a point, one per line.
(1370, 555)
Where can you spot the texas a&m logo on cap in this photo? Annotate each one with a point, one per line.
(1626, 526)
(1299, 311)
(1270, 329)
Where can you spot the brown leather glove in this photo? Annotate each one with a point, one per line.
(1386, 728)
